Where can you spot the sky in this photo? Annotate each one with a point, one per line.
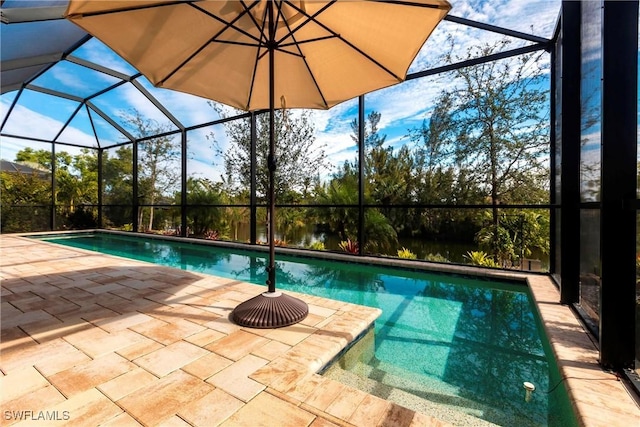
(402, 107)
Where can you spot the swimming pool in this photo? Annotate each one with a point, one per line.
(455, 347)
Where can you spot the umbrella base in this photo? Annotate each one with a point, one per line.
(270, 310)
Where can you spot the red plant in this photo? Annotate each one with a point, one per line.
(349, 246)
(211, 235)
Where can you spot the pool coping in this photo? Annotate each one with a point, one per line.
(598, 397)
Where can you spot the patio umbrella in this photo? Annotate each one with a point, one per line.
(250, 53)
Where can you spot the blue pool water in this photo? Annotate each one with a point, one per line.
(458, 348)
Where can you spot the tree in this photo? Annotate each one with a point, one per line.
(42, 158)
(340, 194)
(157, 160)
(118, 176)
(389, 177)
(24, 197)
(387, 181)
(299, 159)
(438, 180)
(76, 179)
(494, 121)
(201, 193)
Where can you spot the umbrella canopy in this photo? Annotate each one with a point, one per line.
(325, 51)
(248, 53)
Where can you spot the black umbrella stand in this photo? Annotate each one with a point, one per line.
(271, 309)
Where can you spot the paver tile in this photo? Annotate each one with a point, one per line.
(324, 394)
(211, 409)
(302, 390)
(97, 342)
(122, 420)
(282, 374)
(139, 348)
(90, 374)
(222, 324)
(170, 358)
(20, 382)
(207, 365)
(167, 333)
(186, 312)
(205, 337)
(51, 329)
(345, 405)
(15, 340)
(35, 401)
(127, 383)
(89, 408)
(271, 350)
(48, 352)
(170, 394)
(370, 411)
(22, 319)
(235, 378)
(122, 321)
(268, 411)
(322, 422)
(236, 345)
(290, 335)
(174, 421)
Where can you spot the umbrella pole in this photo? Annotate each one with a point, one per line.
(271, 160)
(271, 309)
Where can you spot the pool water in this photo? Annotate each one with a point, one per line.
(457, 348)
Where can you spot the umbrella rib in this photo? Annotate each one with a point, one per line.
(361, 52)
(297, 43)
(214, 38)
(411, 3)
(126, 8)
(351, 45)
(230, 24)
(332, 34)
(258, 54)
(310, 18)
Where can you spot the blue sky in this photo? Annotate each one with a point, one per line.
(402, 106)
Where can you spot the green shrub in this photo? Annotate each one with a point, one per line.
(406, 254)
(317, 246)
(436, 258)
(481, 258)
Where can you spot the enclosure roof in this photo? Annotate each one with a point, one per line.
(37, 38)
(61, 85)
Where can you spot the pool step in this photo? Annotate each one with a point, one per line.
(436, 399)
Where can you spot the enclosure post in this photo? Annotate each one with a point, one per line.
(100, 187)
(619, 183)
(253, 221)
(52, 213)
(134, 192)
(183, 184)
(568, 131)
